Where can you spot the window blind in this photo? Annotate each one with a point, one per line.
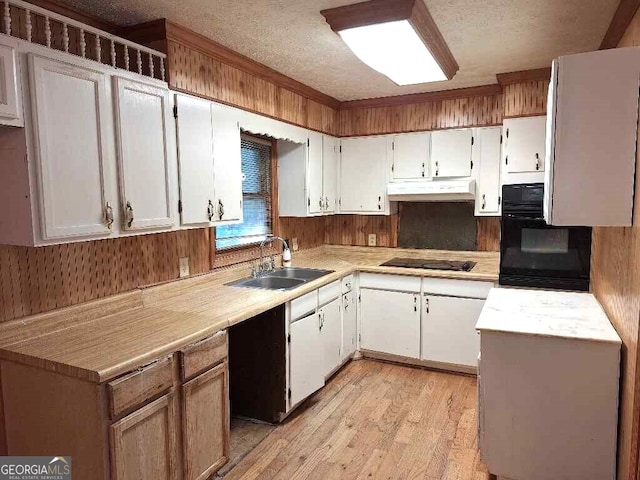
(256, 195)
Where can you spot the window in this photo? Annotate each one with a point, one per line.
(256, 197)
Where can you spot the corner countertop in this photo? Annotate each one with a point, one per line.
(569, 315)
(103, 339)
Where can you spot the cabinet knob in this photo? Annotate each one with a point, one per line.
(210, 210)
(108, 215)
(537, 162)
(484, 201)
(437, 169)
(128, 214)
(220, 209)
(321, 203)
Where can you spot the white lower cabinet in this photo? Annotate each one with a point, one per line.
(349, 324)
(305, 358)
(331, 333)
(448, 329)
(390, 322)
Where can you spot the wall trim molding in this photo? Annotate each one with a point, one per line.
(619, 23)
(521, 76)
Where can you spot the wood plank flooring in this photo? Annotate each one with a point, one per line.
(375, 420)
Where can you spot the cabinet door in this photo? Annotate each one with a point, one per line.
(9, 99)
(74, 148)
(329, 172)
(227, 162)
(451, 153)
(349, 325)
(331, 322)
(488, 159)
(195, 159)
(390, 322)
(145, 158)
(363, 174)
(305, 360)
(314, 173)
(524, 144)
(449, 329)
(143, 444)
(205, 423)
(411, 153)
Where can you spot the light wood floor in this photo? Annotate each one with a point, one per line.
(375, 421)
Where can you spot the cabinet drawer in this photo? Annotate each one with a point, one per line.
(399, 283)
(139, 386)
(199, 356)
(329, 292)
(304, 305)
(456, 288)
(347, 284)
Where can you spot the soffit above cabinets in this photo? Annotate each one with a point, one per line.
(292, 37)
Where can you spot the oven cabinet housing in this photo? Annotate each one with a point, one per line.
(10, 88)
(592, 133)
(547, 406)
(167, 420)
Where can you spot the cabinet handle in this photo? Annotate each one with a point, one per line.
(108, 215)
(210, 210)
(320, 320)
(426, 302)
(537, 162)
(437, 169)
(415, 303)
(423, 169)
(129, 215)
(379, 203)
(484, 201)
(321, 204)
(220, 209)
(326, 203)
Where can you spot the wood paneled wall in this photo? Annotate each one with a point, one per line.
(355, 230)
(615, 281)
(525, 99)
(34, 280)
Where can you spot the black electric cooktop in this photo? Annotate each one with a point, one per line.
(429, 264)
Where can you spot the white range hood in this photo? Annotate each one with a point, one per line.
(432, 191)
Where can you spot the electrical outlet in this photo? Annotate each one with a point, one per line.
(184, 267)
(372, 239)
(294, 244)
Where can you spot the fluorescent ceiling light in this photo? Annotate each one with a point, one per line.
(398, 38)
(395, 50)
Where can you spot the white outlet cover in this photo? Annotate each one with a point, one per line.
(184, 267)
(294, 242)
(372, 240)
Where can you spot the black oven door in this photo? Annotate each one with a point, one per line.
(534, 254)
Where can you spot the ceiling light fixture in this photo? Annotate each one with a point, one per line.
(398, 38)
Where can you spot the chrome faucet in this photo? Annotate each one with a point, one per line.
(266, 267)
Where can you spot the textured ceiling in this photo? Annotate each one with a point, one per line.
(485, 36)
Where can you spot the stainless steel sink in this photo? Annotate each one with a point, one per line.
(301, 273)
(282, 279)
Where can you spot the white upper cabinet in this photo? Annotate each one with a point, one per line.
(74, 149)
(524, 144)
(195, 160)
(314, 173)
(330, 147)
(227, 161)
(10, 100)
(487, 159)
(364, 167)
(451, 153)
(411, 153)
(592, 138)
(146, 154)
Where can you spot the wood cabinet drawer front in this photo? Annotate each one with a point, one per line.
(199, 356)
(302, 306)
(456, 288)
(136, 387)
(383, 281)
(329, 293)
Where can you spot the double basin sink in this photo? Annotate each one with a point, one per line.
(282, 279)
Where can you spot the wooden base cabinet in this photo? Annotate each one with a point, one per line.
(205, 423)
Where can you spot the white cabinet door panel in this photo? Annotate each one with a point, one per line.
(329, 172)
(227, 164)
(331, 318)
(363, 174)
(349, 324)
(451, 153)
(411, 153)
(314, 172)
(144, 157)
(10, 105)
(74, 148)
(524, 144)
(306, 375)
(195, 159)
(390, 322)
(488, 157)
(448, 330)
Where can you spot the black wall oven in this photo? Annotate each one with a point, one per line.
(534, 254)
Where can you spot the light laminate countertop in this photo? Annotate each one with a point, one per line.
(103, 339)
